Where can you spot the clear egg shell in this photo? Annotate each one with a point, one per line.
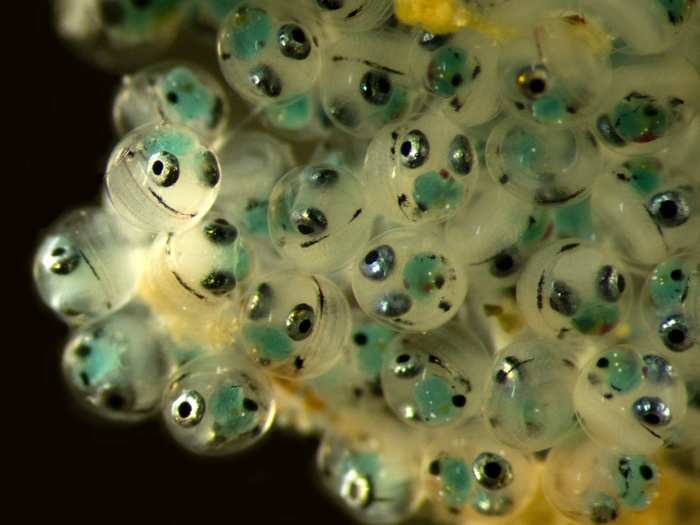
(408, 280)
(544, 165)
(423, 170)
(590, 484)
(200, 268)
(459, 73)
(366, 82)
(160, 178)
(670, 305)
(295, 325)
(350, 16)
(529, 403)
(649, 106)
(642, 393)
(495, 247)
(547, 74)
(269, 51)
(85, 268)
(115, 367)
(573, 287)
(648, 210)
(251, 164)
(179, 93)
(119, 35)
(374, 481)
(317, 217)
(471, 478)
(218, 404)
(642, 27)
(299, 119)
(435, 380)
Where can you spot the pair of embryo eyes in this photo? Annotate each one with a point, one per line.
(414, 151)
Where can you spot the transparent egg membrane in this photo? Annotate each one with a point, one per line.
(468, 260)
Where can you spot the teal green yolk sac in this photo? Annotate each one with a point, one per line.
(100, 361)
(668, 285)
(597, 319)
(189, 97)
(255, 218)
(640, 119)
(220, 8)
(636, 481)
(433, 396)
(294, 114)
(537, 227)
(170, 140)
(622, 370)
(396, 106)
(250, 30)
(272, 344)
(456, 480)
(423, 274)
(644, 175)
(371, 341)
(448, 71)
(437, 190)
(549, 109)
(677, 10)
(521, 150)
(233, 414)
(575, 220)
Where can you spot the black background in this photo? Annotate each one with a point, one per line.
(58, 463)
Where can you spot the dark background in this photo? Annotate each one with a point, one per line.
(58, 463)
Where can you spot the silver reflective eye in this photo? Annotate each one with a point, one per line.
(563, 299)
(300, 322)
(188, 408)
(375, 87)
(293, 42)
(260, 304)
(676, 334)
(669, 209)
(322, 177)
(658, 370)
(164, 168)
(652, 411)
(532, 81)
(611, 283)
(63, 260)
(220, 231)
(219, 282)
(492, 471)
(407, 365)
(209, 169)
(393, 304)
(378, 263)
(493, 503)
(356, 489)
(414, 149)
(460, 155)
(266, 81)
(309, 221)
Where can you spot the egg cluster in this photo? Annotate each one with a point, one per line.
(470, 261)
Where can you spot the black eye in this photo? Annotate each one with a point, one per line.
(345, 113)
(646, 472)
(675, 333)
(209, 169)
(219, 282)
(611, 283)
(492, 471)
(378, 263)
(330, 5)
(260, 304)
(309, 221)
(188, 408)
(165, 168)
(658, 370)
(266, 81)
(652, 411)
(406, 366)
(375, 87)
(293, 42)
(64, 260)
(300, 322)
(414, 149)
(431, 42)
(323, 177)
(116, 399)
(460, 155)
(393, 304)
(505, 263)
(220, 232)
(669, 209)
(532, 81)
(563, 299)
